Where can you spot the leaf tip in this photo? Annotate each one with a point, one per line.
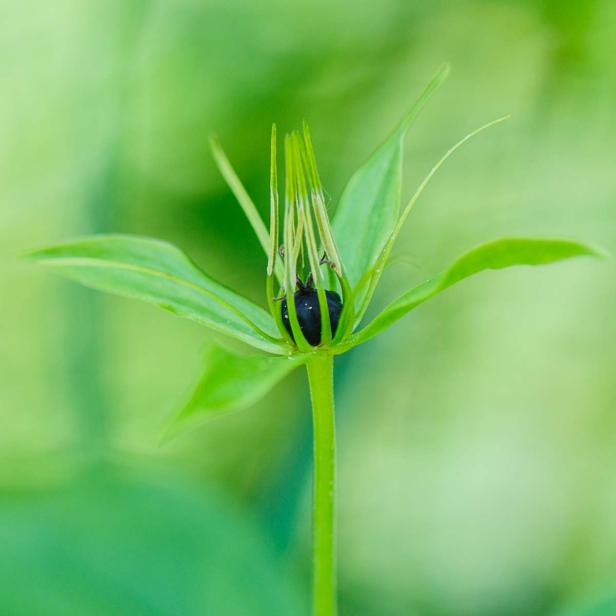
(444, 71)
(29, 255)
(587, 250)
(215, 146)
(37, 255)
(598, 252)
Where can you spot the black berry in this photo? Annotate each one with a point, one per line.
(309, 313)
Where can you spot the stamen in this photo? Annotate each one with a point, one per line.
(273, 231)
(289, 236)
(303, 203)
(318, 204)
(306, 234)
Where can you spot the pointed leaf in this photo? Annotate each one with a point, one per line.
(232, 382)
(159, 273)
(493, 255)
(370, 204)
(243, 198)
(367, 285)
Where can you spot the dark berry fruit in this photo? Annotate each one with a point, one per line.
(309, 313)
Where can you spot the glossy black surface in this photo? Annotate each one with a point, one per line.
(309, 313)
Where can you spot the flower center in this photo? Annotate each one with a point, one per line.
(308, 313)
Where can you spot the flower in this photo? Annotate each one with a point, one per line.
(308, 252)
(332, 268)
(319, 284)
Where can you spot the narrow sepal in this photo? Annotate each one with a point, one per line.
(159, 273)
(230, 382)
(497, 254)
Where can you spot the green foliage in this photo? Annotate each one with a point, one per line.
(159, 273)
(367, 224)
(231, 382)
(110, 544)
(367, 285)
(498, 254)
(114, 134)
(605, 606)
(370, 204)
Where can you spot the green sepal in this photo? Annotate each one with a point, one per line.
(370, 204)
(230, 382)
(157, 272)
(497, 254)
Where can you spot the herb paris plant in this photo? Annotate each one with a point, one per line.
(320, 280)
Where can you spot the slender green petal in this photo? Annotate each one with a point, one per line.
(326, 325)
(369, 208)
(243, 198)
(158, 273)
(498, 254)
(231, 382)
(275, 310)
(273, 234)
(347, 318)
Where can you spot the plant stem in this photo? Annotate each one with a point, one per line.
(321, 379)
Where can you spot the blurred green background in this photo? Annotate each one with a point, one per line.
(477, 456)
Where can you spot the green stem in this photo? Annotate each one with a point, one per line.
(321, 379)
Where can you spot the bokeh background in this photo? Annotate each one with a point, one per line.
(477, 438)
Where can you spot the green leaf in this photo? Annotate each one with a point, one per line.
(370, 204)
(118, 542)
(367, 285)
(159, 273)
(602, 604)
(498, 254)
(231, 382)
